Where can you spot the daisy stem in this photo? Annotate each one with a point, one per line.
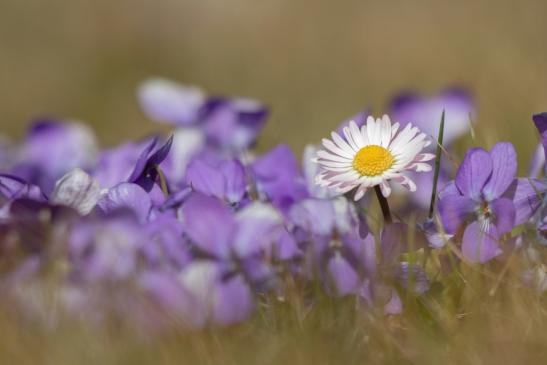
(383, 204)
(437, 167)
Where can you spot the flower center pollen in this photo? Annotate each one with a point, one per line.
(372, 160)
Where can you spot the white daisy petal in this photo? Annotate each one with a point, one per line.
(338, 169)
(375, 180)
(403, 137)
(329, 145)
(365, 181)
(329, 156)
(364, 135)
(361, 190)
(356, 135)
(419, 167)
(329, 163)
(386, 189)
(349, 138)
(344, 188)
(394, 129)
(378, 132)
(341, 143)
(371, 130)
(385, 132)
(346, 176)
(422, 157)
(406, 182)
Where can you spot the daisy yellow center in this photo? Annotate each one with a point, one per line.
(372, 160)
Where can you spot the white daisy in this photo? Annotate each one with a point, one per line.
(372, 155)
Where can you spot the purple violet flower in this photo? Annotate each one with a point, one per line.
(32, 221)
(13, 187)
(384, 274)
(540, 121)
(220, 297)
(537, 162)
(278, 177)
(127, 196)
(476, 198)
(145, 173)
(229, 256)
(324, 216)
(223, 179)
(166, 248)
(116, 165)
(249, 232)
(176, 304)
(233, 124)
(344, 261)
(105, 248)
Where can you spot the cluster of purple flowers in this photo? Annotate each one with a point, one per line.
(195, 229)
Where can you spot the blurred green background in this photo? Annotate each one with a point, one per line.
(314, 62)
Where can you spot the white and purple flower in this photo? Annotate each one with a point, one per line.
(372, 155)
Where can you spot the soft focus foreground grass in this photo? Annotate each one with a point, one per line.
(476, 316)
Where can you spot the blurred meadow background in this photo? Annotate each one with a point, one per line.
(314, 63)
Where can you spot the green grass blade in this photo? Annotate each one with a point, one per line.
(437, 166)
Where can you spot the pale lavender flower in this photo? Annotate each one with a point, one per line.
(187, 144)
(166, 101)
(425, 113)
(78, 190)
(68, 146)
(229, 124)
